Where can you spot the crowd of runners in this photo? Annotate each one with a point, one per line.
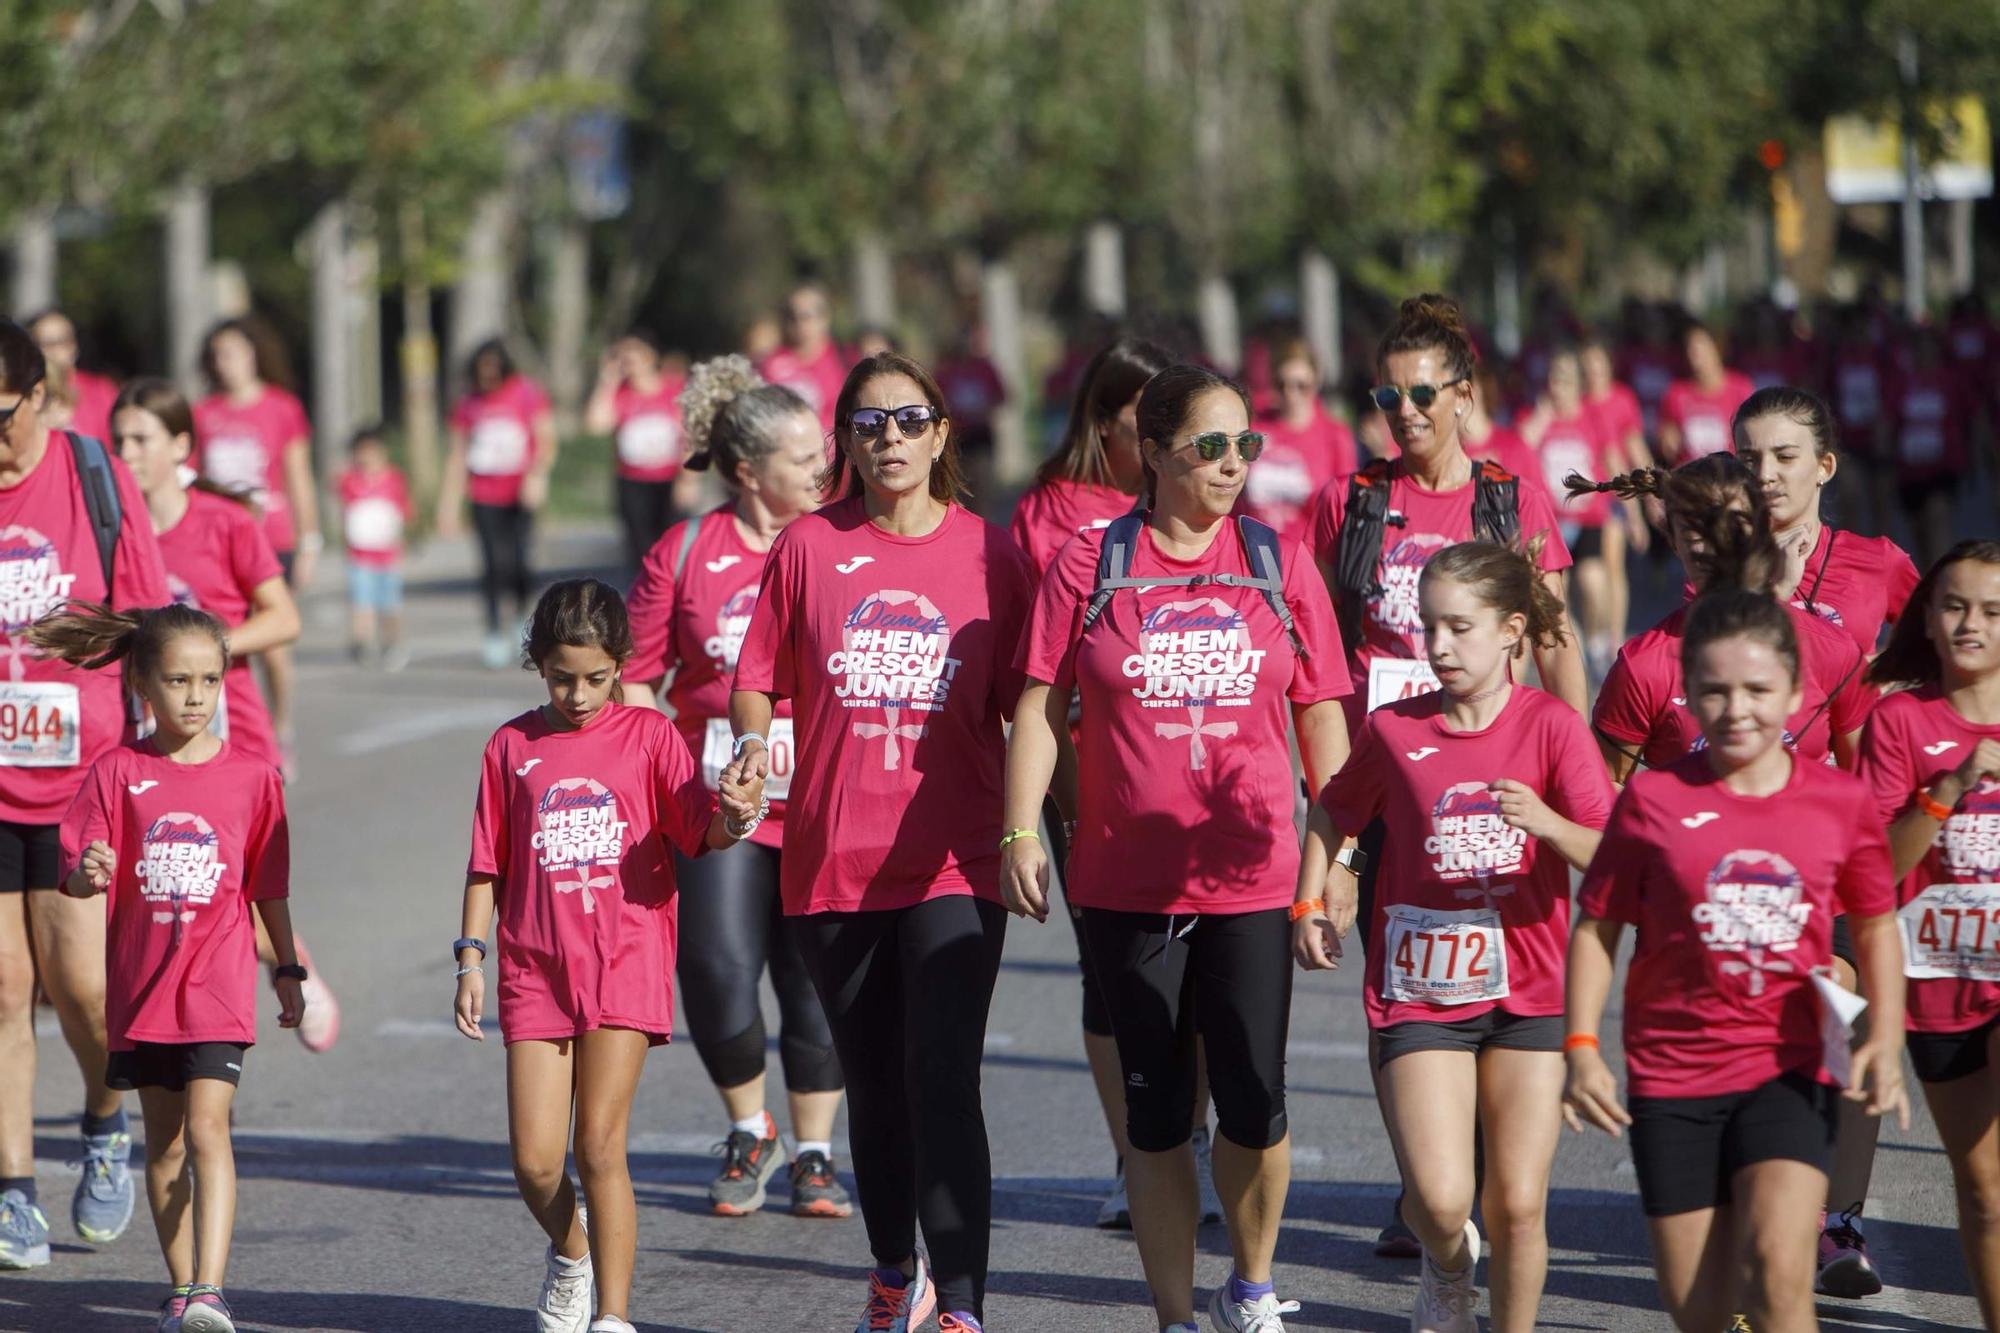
(1240, 689)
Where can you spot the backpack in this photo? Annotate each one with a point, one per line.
(1496, 517)
(1260, 549)
(689, 531)
(100, 499)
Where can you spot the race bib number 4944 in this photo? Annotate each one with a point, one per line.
(39, 723)
(1444, 957)
(1952, 931)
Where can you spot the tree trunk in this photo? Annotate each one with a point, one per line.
(419, 356)
(480, 300)
(34, 262)
(1319, 306)
(1000, 313)
(1961, 246)
(569, 318)
(874, 283)
(332, 360)
(186, 262)
(1221, 331)
(1104, 270)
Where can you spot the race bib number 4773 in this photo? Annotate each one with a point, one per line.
(39, 723)
(1444, 957)
(1952, 931)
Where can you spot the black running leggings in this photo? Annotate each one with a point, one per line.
(732, 925)
(906, 991)
(645, 511)
(1227, 979)
(504, 532)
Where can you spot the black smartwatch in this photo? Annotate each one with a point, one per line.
(1353, 860)
(459, 946)
(289, 971)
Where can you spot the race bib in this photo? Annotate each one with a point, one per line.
(498, 448)
(238, 463)
(1705, 435)
(649, 441)
(1444, 957)
(1393, 678)
(1952, 931)
(719, 747)
(1922, 443)
(374, 523)
(40, 725)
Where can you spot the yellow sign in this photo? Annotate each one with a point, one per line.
(1864, 156)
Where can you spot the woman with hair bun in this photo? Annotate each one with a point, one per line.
(689, 609)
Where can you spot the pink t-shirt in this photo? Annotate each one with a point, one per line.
(500, 444)
(1186, 774)
(1576, 444)
(1433, 520)
(95, 395)
(1049, 513)
(574, 827)
(1950, 909)
(818, 380)
(242, 446)
(1929, 412)
(1859, 395)
(1643, 706)
(1619, 417)
(694, 626)
(1450, 859)
(1295, 466)
(56, 719)
(216, 557)
(196, 844)
(1704, 415)
(1734, 899)
(973, 390)
(649, 430)
(1504, 445)
(374, 510)
(1858, 584)
(898, 655)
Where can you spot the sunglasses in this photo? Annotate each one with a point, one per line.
(913, 421)
(1388, 397)
(7, 414)
(1213, 444)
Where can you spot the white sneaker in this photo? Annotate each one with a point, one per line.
(611, 1324)
(1204, 1175)
(1258, 1316)
(569, 1294)
(1115, 1213)
(1445, 1300)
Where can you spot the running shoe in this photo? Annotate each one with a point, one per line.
(319, 1029)
(959, 1323)
(24, 1232)
(171, 1310)
(1115, 1213)
(1263, 1315)
(816, 1191)
(1445, 1300)
(748, 1163)
(893, 1309)
(610, 1324)
(101, 1209)
(206, 1312)
(395, 658)
(1397, 1241)
(569, 1292)
(1739, 1324)
(1204, 1175)
(1844, 1268)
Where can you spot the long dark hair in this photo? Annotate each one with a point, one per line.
(1910, 658)
(1112, 379)
(1716, 498)
(22, 365)
(91, 635)
(163, 399)
(578, 613)
(840, 481)
(273, 366)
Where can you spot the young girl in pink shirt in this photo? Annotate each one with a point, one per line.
(581, 802)
(185, 832)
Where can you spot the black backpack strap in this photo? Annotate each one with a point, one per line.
(100, 499)
(1359, 559)
(1267, 570)
(1114, 564)
(1846, 679)
(1496, 504)
(689, 531)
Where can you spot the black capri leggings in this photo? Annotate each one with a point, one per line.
(732, 925)
(1167, 978)
(503, 532)
(906, 991)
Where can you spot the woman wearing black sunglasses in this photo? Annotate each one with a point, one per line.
(890, 618)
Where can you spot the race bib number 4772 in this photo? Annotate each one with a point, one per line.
(1444, 957)
(1952, 931)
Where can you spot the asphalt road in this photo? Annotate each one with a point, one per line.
(375, 1188)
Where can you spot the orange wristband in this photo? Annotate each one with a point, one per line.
(1931, 806)
(1578, 1039)
(1302, 910)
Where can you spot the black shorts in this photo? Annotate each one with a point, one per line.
(30, 856)
(153, 1064)
(1495, 1028)
(1942, 1057)
(286, 559)
(1688, 1149)
(1843, 942)
(1589, 544)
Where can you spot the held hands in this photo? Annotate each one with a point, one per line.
(291, 1001)
(1521, 808)
(469, 1005)
(1592, 1094)
(1024, 878)
(741, 798)
(1877, 1079)
(94, 873)
(752, 761)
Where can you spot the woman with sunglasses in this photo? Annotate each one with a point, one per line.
(1186, 853)
(890, 619)
(1304, 448)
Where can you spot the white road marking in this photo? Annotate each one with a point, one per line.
(427, 724)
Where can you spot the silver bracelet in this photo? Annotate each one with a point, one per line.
(467, 971)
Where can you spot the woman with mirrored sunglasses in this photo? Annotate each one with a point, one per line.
(1186, 854)
(890, 618)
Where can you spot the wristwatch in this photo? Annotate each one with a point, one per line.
(288, 972)
(460, 945)
(1353, 860)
